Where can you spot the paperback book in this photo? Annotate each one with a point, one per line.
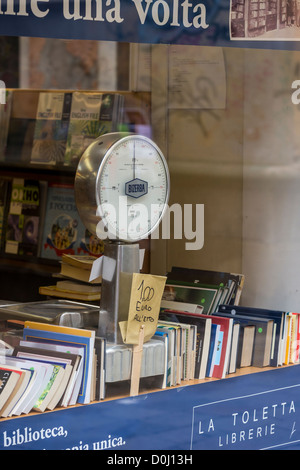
(92, 115)
(5, 112)
(60, 335)
(21, 126)
(51, 128)
(25, 217)
(63, 229)
(5, 188)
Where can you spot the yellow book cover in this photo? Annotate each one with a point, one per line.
(59, 329)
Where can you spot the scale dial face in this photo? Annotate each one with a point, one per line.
(132, 188)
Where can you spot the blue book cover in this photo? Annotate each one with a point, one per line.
(213, 338)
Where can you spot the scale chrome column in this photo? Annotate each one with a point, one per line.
(119, 262)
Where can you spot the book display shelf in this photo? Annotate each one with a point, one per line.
(253, 410)
(231, 389)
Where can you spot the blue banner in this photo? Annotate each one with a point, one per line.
(257, 411)
(199, 22)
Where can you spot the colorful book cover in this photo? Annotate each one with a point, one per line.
(84, 126)
(51, 128)
(203, 296)
(92, 115)
(24, 218)
(63, 230)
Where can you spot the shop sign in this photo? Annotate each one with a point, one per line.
(256, 411)
(198, 22)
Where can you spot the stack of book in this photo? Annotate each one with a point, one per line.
(41, 221)
(74, 280)
(208, 289)
(215, 345)
(55, 127)
(208, 334)
(52, 366)
(198, 345)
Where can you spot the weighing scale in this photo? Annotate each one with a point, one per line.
(122, 190)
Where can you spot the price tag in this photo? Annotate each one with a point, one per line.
(144, 306)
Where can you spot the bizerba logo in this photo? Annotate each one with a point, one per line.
(136, 188)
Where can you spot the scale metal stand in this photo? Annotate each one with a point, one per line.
(120, 259)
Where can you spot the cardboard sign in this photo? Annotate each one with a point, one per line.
(144, 306)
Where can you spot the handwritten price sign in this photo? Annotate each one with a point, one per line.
(144, 306)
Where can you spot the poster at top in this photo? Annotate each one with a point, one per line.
(273, 24)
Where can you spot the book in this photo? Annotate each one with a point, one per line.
(111, 111)
(79, 274)
(229, 285)
(67, 360)
(186, 353)
(25, 216)
(51, 391)
(54, 291)
(180, 306)
(222, 358)
(51, 128)
(79, 261)
(78, 267)
(8, 381)
(186, 293)
(100, 347)
(5, 188)
(55, 334)
(246, 345)
(295, 338)
(63, 228)
(213, 347)
(169, 331)
(78, 286)
(178, 367)
(21, 126)
(39, 383)
(161, 336)
(72, 391)
(5, 113)
(92, 115)
(203, 334)
(85, 125)
(234, 348)
(20, 387)
(223, 353)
